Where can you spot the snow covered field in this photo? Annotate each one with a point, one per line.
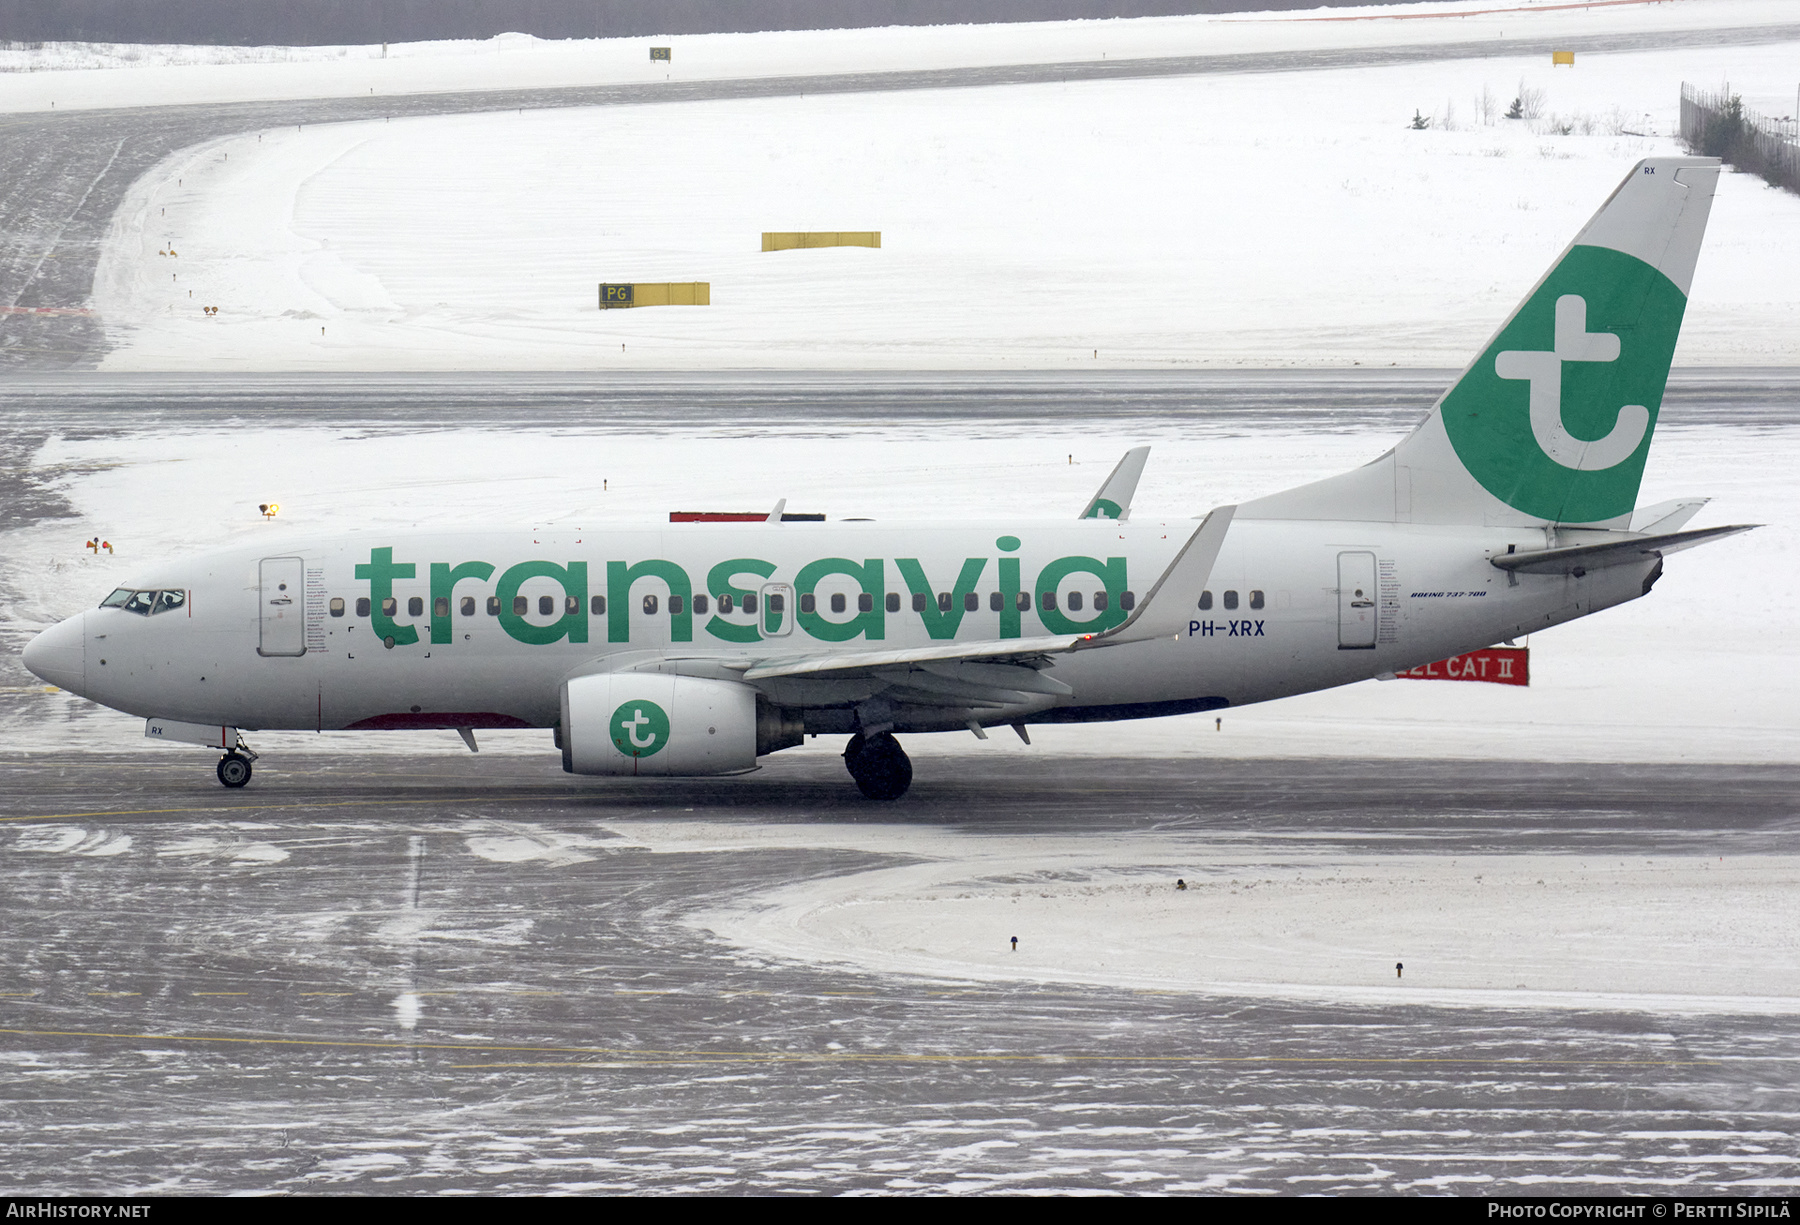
(1242, 219)
(90, 75)
(1668, 934)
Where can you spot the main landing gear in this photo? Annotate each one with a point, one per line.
(879, 765)
(234, 770)
(234, 767)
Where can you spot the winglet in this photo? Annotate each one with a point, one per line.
(1113, 501)
(1163, 612)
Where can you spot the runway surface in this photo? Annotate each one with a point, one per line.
(324, 984)
(65, 174)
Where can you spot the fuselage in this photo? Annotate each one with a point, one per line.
(480, 629)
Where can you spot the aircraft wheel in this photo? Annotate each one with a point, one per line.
(879, 766)
(234, 770)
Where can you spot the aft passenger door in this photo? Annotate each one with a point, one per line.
(283, 607)
(1356, 602)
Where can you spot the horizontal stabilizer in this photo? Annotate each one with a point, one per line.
(1579, 559)
(1666, 516)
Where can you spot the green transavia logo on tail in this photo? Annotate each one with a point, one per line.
(1555, 417)
(639, 729)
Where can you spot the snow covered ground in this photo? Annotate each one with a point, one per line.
(1705, 669)
(1668, 934)
(1230, 220)
(89, 75)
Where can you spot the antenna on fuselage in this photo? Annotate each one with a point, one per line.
(775, 515)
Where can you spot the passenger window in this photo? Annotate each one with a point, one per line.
(1022, 601)
(440, 607)
(1100, 601)
(971, 601)
(390, 606)
(649, 606)
(676, 604)
(775, 603)
(521, 606)
(415, 606)
(1206, 601)
(943, 601)
(362, 605)
(337, 606)
(571, 606)
(865, 602)
(468, 606)
(700, 605)
(807, 603)
(597, 606)
(725, 602)
(893, 601)
(1074, 601)
(1047, 601)
(1256, 600)
(493, 606)
(996, 602)
(546, 605)
(1231, 599)
(837, 602)
(918, 601)
(1127, 600)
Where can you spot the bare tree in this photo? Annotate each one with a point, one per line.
(1486, 106)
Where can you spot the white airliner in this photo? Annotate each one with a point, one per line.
(695, 649)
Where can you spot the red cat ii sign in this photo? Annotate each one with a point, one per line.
(1496, 665)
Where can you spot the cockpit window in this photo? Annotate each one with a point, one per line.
(145, 603)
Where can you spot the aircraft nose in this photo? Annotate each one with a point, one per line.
(59, 654)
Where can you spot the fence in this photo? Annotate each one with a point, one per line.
(1720, 125)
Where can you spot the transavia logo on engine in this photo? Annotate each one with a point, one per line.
(639, 729)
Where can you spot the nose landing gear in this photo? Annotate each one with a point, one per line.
(879, 765)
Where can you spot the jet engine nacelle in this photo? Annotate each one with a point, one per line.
(646, 723)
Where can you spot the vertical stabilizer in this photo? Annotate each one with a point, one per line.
(1552, 422)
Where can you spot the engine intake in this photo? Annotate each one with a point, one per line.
(645, 723)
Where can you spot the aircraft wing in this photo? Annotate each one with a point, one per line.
(1113, 501)
(1579, 559)
(1009, 650)
(1163, 612)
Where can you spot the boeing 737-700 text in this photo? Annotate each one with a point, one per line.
(696, 648)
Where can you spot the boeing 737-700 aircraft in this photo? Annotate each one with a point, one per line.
(696, 648)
